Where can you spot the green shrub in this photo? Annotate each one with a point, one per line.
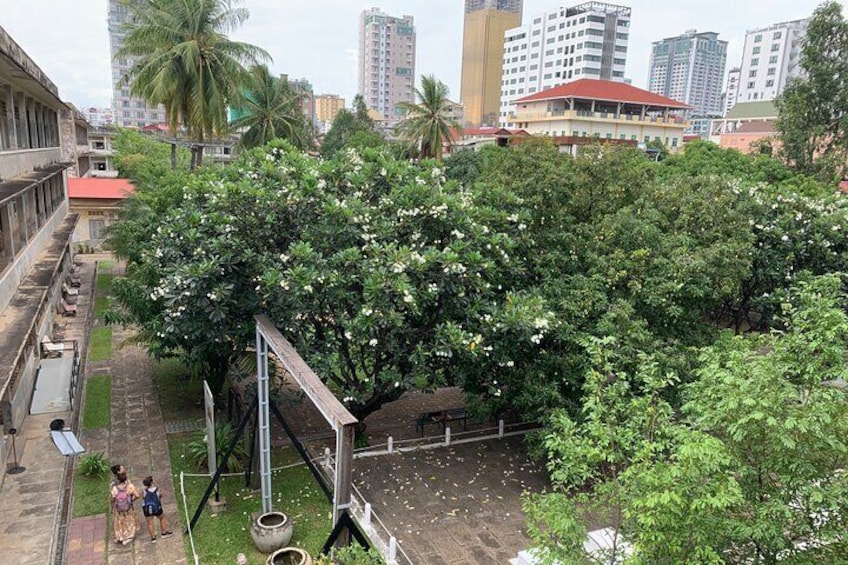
(94, 465)
(224, 433)
(352, 555)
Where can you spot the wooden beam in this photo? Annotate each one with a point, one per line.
(330, 407)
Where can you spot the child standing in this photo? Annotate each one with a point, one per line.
(152, 507)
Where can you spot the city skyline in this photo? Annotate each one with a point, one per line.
(325, 50)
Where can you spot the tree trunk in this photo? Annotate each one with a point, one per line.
(193, 158)
(173, 156)
(199, 155)
(362, 411)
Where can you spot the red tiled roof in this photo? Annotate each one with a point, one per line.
(606, 90)
(106, 189)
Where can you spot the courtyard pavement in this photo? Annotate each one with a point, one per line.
(458, 504)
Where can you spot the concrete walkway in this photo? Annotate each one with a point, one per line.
(33, 500)
(136, 439)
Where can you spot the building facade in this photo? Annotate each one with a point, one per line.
(326, 108)
(731, 90)
(585, 41)
(386, 62)
(100, 117)
(97, 202)
(35, 228)
(690, 68)
(486, 22)
(771, 57)
(590, 111)
(129, 111)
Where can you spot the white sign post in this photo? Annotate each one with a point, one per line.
(211, 453)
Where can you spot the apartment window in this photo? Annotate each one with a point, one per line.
(552, 28)
(752, 73)
(769, 83)
(537, 21)
(771, 72)
(755, 61)
(535, 44)
(756, 51)
(550, 40)
(775, 47)
(547, 76)
(623, 36)
(751, 84)
(620, 49)
(534, 67)
(537, 32)
(777, 35)
(758, 38)
(773, 60)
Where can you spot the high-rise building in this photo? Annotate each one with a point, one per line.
(386, 62)
(326, 108)
(731, 90)
(770, 58)
(690, 68)
(585, 41)
(303, 88)
(486, 21)
(128, 110)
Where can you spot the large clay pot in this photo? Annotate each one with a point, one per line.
(271, 531)
(289, 556)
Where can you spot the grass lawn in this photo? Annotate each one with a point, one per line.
(98, 399)
(180, 395)
(220, 539)
(105, 266)
(100, 348)
(101, 305)
(104, 283)
(91, 495)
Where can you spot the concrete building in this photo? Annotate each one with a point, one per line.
(102, 165)
(589, 111)
(128, 110)
(74, 129)
(770, 58)
(97, 201)
(483, 30)
(585, 41)
(326, 108)
(690, 68)
(303, 87)
(100, 117)
(745, 124)
(731, 91)
(35, 233)
(386, 62)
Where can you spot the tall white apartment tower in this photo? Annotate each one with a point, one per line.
(731, 90)
(690, 68)
(585, 41)
(386, 62)
(770, 58)
(128, 111)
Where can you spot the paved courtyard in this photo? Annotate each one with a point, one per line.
(458, 504)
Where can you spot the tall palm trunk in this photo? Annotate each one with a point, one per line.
(174, 156)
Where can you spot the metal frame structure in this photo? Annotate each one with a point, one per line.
(268, 337)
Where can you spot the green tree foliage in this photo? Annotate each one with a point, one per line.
(752, 471)
(184, 60)
(385, 276)
(428, 124)
(811, 111)
(270, 110)
(351, 129)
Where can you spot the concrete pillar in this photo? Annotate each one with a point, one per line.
(41, 121)
(23, 121)
(11, 127)
(366, 519)
(8, 243)
(33, 127)
(390, 445)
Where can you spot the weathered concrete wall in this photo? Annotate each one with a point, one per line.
(18, 56)
(19, 162)
(17, 271)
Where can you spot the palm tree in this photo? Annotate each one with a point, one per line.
(428, 124)
(270, 109)
(184, 60)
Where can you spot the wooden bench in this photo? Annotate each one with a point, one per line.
(443, 417)
(67, 309)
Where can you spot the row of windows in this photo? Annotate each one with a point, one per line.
(776, 35)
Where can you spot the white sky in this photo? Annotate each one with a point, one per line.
(318, 39)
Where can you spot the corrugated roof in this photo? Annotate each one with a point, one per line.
(605, 90)
(764, 126)
(753, 110)
(107, 189)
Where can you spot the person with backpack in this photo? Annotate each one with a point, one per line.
(152, 508)
(125, 521)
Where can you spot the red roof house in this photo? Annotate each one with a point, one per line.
(99, 188)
